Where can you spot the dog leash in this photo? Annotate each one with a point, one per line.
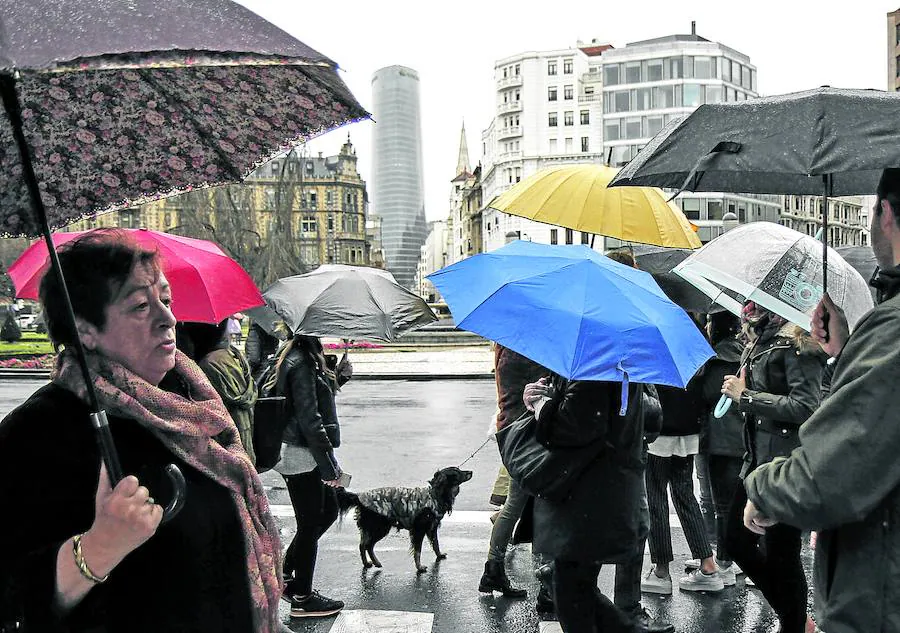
(476, 452)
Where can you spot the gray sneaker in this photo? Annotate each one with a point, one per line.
(698, 581)
(654, 584)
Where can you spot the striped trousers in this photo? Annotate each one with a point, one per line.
(675, 473)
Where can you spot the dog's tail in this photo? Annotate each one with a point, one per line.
(346, 501)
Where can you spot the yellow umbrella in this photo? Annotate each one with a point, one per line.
(576, 197)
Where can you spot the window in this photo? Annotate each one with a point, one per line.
(568, 150)
(653, 124)
(271, 199)
(585, 238)
(518, 174)
(504, 73)
(274, 167)
(569, 117)
(551, 68)
(568, 93)
(714, 210)
(167, 219)
(516, 72)
(308, 224)
(713, 94)
(611, 75)
(553, 144)
(567, 66)
(570, 236)
(622, 101)
(551, 93)
(330, 222)
(676, 67)
(554, 236)
(704, 68)
(551, 119)
(735, 74)
(726, 68)
(588, 91)
(329, 197)
(633, 127)
(632, 72)
(129, 219)
(611, 131)
(691, 95)
(688, 67)
(691, 208)
(312, 200)
(653, 70)
(747, 79)
(585, 117)
(663, 97)
(642, 99)
(585, 144)
(353, 256)
(518, 95)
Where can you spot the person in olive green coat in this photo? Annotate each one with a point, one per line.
(844, 478)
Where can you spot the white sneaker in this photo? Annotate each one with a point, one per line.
(698, 581)
(748, 582)
(694, 563)
(727, 574)
(654, 584)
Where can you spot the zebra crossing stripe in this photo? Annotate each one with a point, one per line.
(371, 621)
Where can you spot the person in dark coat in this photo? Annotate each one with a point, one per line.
(85, 556)
(844, 478)
(600, 522)
(777, 393)
(259, 347)
(512, 372)
(308, 465)
(721, 439)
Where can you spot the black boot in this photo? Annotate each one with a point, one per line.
(544, 604)
(494, 579)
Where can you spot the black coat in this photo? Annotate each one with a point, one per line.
(784, 384)
(720, 436)
(190, 576)
(600, 521)
(312, 413)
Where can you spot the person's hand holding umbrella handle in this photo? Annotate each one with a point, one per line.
(125, 517)
(732, 389)
(829, 326)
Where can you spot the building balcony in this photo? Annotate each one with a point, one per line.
(509, 82)
(504, 156)
(509, 132)
(597, 96)
(511, 106)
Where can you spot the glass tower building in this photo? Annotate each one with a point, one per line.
(397, 185)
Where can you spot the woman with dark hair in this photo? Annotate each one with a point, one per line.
(777, 393)
(228, 371)
(83, 554)
(308, 465)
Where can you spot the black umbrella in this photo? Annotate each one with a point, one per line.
(659, 262)
(827, 141)
(108, 103)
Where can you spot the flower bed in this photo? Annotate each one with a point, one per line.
(353, 345)
(46, 361)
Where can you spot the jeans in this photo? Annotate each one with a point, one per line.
(777, 572)
(724, 478)
(674, 472)
(315, 508)
(707, 505)
(580, 606)
(506, 521)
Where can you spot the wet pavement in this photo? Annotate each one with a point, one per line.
(400, 433)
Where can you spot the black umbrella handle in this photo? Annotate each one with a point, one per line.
(114, 469)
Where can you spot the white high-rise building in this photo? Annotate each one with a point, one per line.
(432, 257)
(649, 83)
(547, 112)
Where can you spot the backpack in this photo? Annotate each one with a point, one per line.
(270, 417)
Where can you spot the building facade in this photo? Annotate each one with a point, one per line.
(397, 185)
(648, 84)
(548, 112)
(848, 218)
(317, 204)
(432, 257)
(893, 48)
(464, 228)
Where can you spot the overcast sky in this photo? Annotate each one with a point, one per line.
(795, 45)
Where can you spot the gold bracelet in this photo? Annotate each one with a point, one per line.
(82, 565)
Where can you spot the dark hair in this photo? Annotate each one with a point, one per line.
(197, 340)
(889, 189)
(96, 266)
(722, 325)
(623, 256)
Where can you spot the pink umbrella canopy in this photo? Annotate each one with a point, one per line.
(207, 285)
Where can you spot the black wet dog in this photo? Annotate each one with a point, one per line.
(418, 510)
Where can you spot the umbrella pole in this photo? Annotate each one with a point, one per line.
(828, 190)
(98, 417)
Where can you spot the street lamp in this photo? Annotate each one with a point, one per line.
(729, 221)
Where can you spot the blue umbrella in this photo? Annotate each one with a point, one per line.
(575, 312)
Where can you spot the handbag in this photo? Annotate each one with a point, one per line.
(270, 416)
(548, 473)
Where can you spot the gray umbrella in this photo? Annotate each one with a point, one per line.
(659, 262)
(826, 141)
(348, 302)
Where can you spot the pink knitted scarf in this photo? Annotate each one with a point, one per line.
(187, 426)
